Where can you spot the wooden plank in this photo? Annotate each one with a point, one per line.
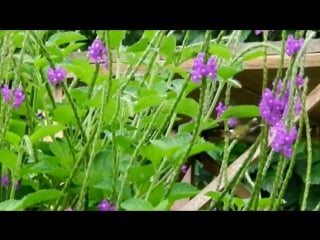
(201, 199)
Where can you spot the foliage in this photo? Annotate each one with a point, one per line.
(114, 132)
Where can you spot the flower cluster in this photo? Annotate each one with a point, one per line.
(106, 206)
(5, 182)
(18, 96)
(56, 75)
(293, 45)
(220, 109)
(273, 109)
(98, 52)
(282, 139)
(258, 32)
(201, 70)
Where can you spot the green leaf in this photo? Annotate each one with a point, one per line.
(55, 52)
(152, 153)
(168, 46)
(226, 72)
(188, 106)
(202, 147)
(71, 48)
(241, 111)
(116, 36)
(13, 138)
(66, 37)
(267, 183)
(41, 196)
(18, 38)
(157, 194)
(63, 114)
(104, 184)
(141, 174)
(181, 191)
(149, 34)
(244, 35)
(149, 101)
(136, 204)
(141, 45)
(42, 167)
(163, 206)
(221, 51)
(44, 131)
(61, 150)
(8, 159)
(253, 55)
(11, 205)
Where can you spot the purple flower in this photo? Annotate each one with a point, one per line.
(299, 80)
(6, 92)
(293, 45)
(18, 97)
(68, 209)
(56, 75)
(282, 139)
(258, 32)
(98, 52)
(201, 70)
(5, 180)
(184, 169)
(106, 206)
(220, 109)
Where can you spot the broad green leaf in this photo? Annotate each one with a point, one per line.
(13, 138)
(202, 147)
(244, 35)
(157, 195)
(241, 111)
(188, 106)
(103, 164)
(44, 131)
(163, 206)
(227, 72)
(149, 33)
(65, 37)
(124, 141)
(136, 204)
(41, 196)
(152, 153)
(268, 181)
(42, 167)
(55, 52)
(141, 45)
(253, 55)
(169, 145)
(149, 101)
(104, 184)
(18, 38)
(17, 126)
(8, 159)
(11, 205)
(40, 62)
(181, 191)
(63, 114)
(61, 150)
(141, 174)
(116, 36)
(220, 51)
(168, 46)
(71, 48)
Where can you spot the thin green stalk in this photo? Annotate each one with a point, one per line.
(309, 162)
(215, 100)
(196, 129)
(252, 150)
(135, 154)
(282, 54)
(93, 81)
